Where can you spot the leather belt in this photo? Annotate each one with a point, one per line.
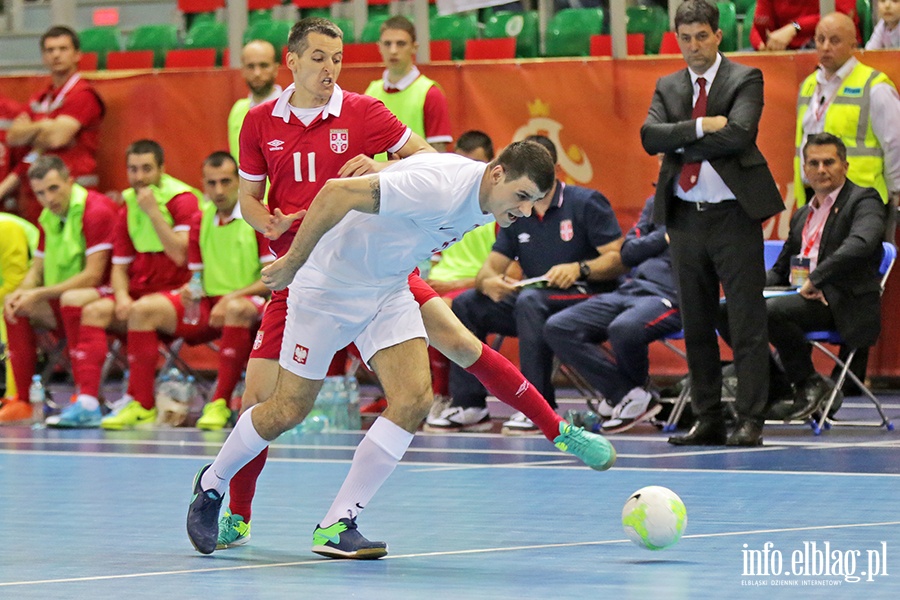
(704, 206)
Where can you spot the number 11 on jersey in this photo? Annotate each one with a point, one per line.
(310, 165)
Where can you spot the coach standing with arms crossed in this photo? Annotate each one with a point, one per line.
(714, 191)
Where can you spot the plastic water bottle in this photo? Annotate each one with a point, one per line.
(37, 397)
(354, 421)
(192, 306)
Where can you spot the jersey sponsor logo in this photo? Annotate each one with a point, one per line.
(566, 230)
(275, 145)
(259, 339)
(524, 238)
(300, 354)
(339, 140)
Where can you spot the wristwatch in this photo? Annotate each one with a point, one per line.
(584, 271)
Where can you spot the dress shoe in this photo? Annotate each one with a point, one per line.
(705, 432)
(748, 434)
(809, 395)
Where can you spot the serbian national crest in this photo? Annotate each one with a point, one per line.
(340, 140)
(566, 231)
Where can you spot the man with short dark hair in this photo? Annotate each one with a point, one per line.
(63, 119)
(713, 192)
(476, 145)
(259, 68)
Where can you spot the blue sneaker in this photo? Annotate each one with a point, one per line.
(343, 540)
(203, 516)
(76, 416)
(594, 450)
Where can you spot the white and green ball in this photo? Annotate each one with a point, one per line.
(654, 517)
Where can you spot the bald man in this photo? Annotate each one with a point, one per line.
(259, 66)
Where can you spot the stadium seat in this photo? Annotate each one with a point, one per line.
(456, 28)
(372, 29)
(601, 45)
(361, 53)
(188, 58)
(191, 7)
(207, 35)
(669, 44)
(747, 26)
(743, 6)
(864, 12)
(346, 26)
(570, 30)
(441, 50)
(130, 59)
(521, 25)
(88, 61)
(276, 32)
(262, 6)
(199, 18)
(728, 25)
(159, 38)
(491, 49)
(255, 16)
(100, 40)
(652, 21)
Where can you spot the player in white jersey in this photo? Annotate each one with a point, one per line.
(354, 286)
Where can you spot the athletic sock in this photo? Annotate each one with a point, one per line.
(243, 486)
(234, 349)
(505, 382)
(71, 322)
(88, 358)
(375, 459)
(440, 372)
(242, 445)
(22, 350)
(142, 356)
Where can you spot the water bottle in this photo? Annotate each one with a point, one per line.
(584, 418)
(354, 421)
(37, 397)
(192, 306)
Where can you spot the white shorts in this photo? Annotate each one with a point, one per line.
(322, 321)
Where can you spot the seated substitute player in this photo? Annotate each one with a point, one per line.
(76, 240)
(347, 269)
(18, 242)
(149, 256)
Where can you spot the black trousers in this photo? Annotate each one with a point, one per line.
(721, 245)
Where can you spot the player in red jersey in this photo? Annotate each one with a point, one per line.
(298, 158)
(62, 119)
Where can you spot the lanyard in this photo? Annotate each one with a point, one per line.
(822, 106)
(46, 106)
(812, 239)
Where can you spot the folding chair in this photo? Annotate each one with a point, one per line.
(818, 338)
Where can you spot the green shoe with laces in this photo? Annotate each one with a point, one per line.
(232, 531)
(130, 416)
(594, 450)
(215, 415)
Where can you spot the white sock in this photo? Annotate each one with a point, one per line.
(242, 446)
(374, 460)
(88, 402)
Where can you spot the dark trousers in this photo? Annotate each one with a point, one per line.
(629, 322)
(790, 318)
(519, 315)
(721, 245)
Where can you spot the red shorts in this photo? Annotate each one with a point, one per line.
(202, 332)
(267, 344)
(421, 291)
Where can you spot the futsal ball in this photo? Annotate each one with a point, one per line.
(654, 517)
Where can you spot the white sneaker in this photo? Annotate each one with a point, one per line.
(637, 406)
(605, 410)
(457, 418)
(440, 404)
(519, 424)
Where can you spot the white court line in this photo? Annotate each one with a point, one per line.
(322, 562)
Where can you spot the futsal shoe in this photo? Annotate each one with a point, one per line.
(203, 516)
(519, 424)
(232, 531)
(594, 450)
(15, 411)
(457, 418)
(76, 416)
(637, 406)
(130, 416)
(343, 540)
(216, 415)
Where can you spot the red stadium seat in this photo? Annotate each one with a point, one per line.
(199, 6)
(491, 49)
(669, 43)
(362, 53)
(129, 59)
(262, 4)
(191, 58)
(601, 45)
(88, 61)
(440, 50)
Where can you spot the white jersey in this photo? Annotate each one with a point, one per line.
(428, 202)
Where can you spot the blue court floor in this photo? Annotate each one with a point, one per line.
(88, 514)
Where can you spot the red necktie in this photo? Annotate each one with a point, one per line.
(691, 171)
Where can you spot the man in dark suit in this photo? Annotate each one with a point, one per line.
(714, 191)
(840, 234)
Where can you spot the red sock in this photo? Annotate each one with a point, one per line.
(243, 486)
(505, 382)
(234, 350)
(22, 354)
(142, 349)
(71, 321)
(440, 372)
(87, 359)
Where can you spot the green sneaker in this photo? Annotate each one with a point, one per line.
(130, 416)
(594, 450)
(343, 540)
(216, 415)
(232, 531)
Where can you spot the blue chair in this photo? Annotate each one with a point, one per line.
(819, 338)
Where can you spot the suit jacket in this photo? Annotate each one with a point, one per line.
(736, 93)
(847, 268)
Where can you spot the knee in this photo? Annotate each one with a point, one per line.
(624, 331)
(239, 311)
(143, 313)
(98, 313)
(557, 333)
(77, 297)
